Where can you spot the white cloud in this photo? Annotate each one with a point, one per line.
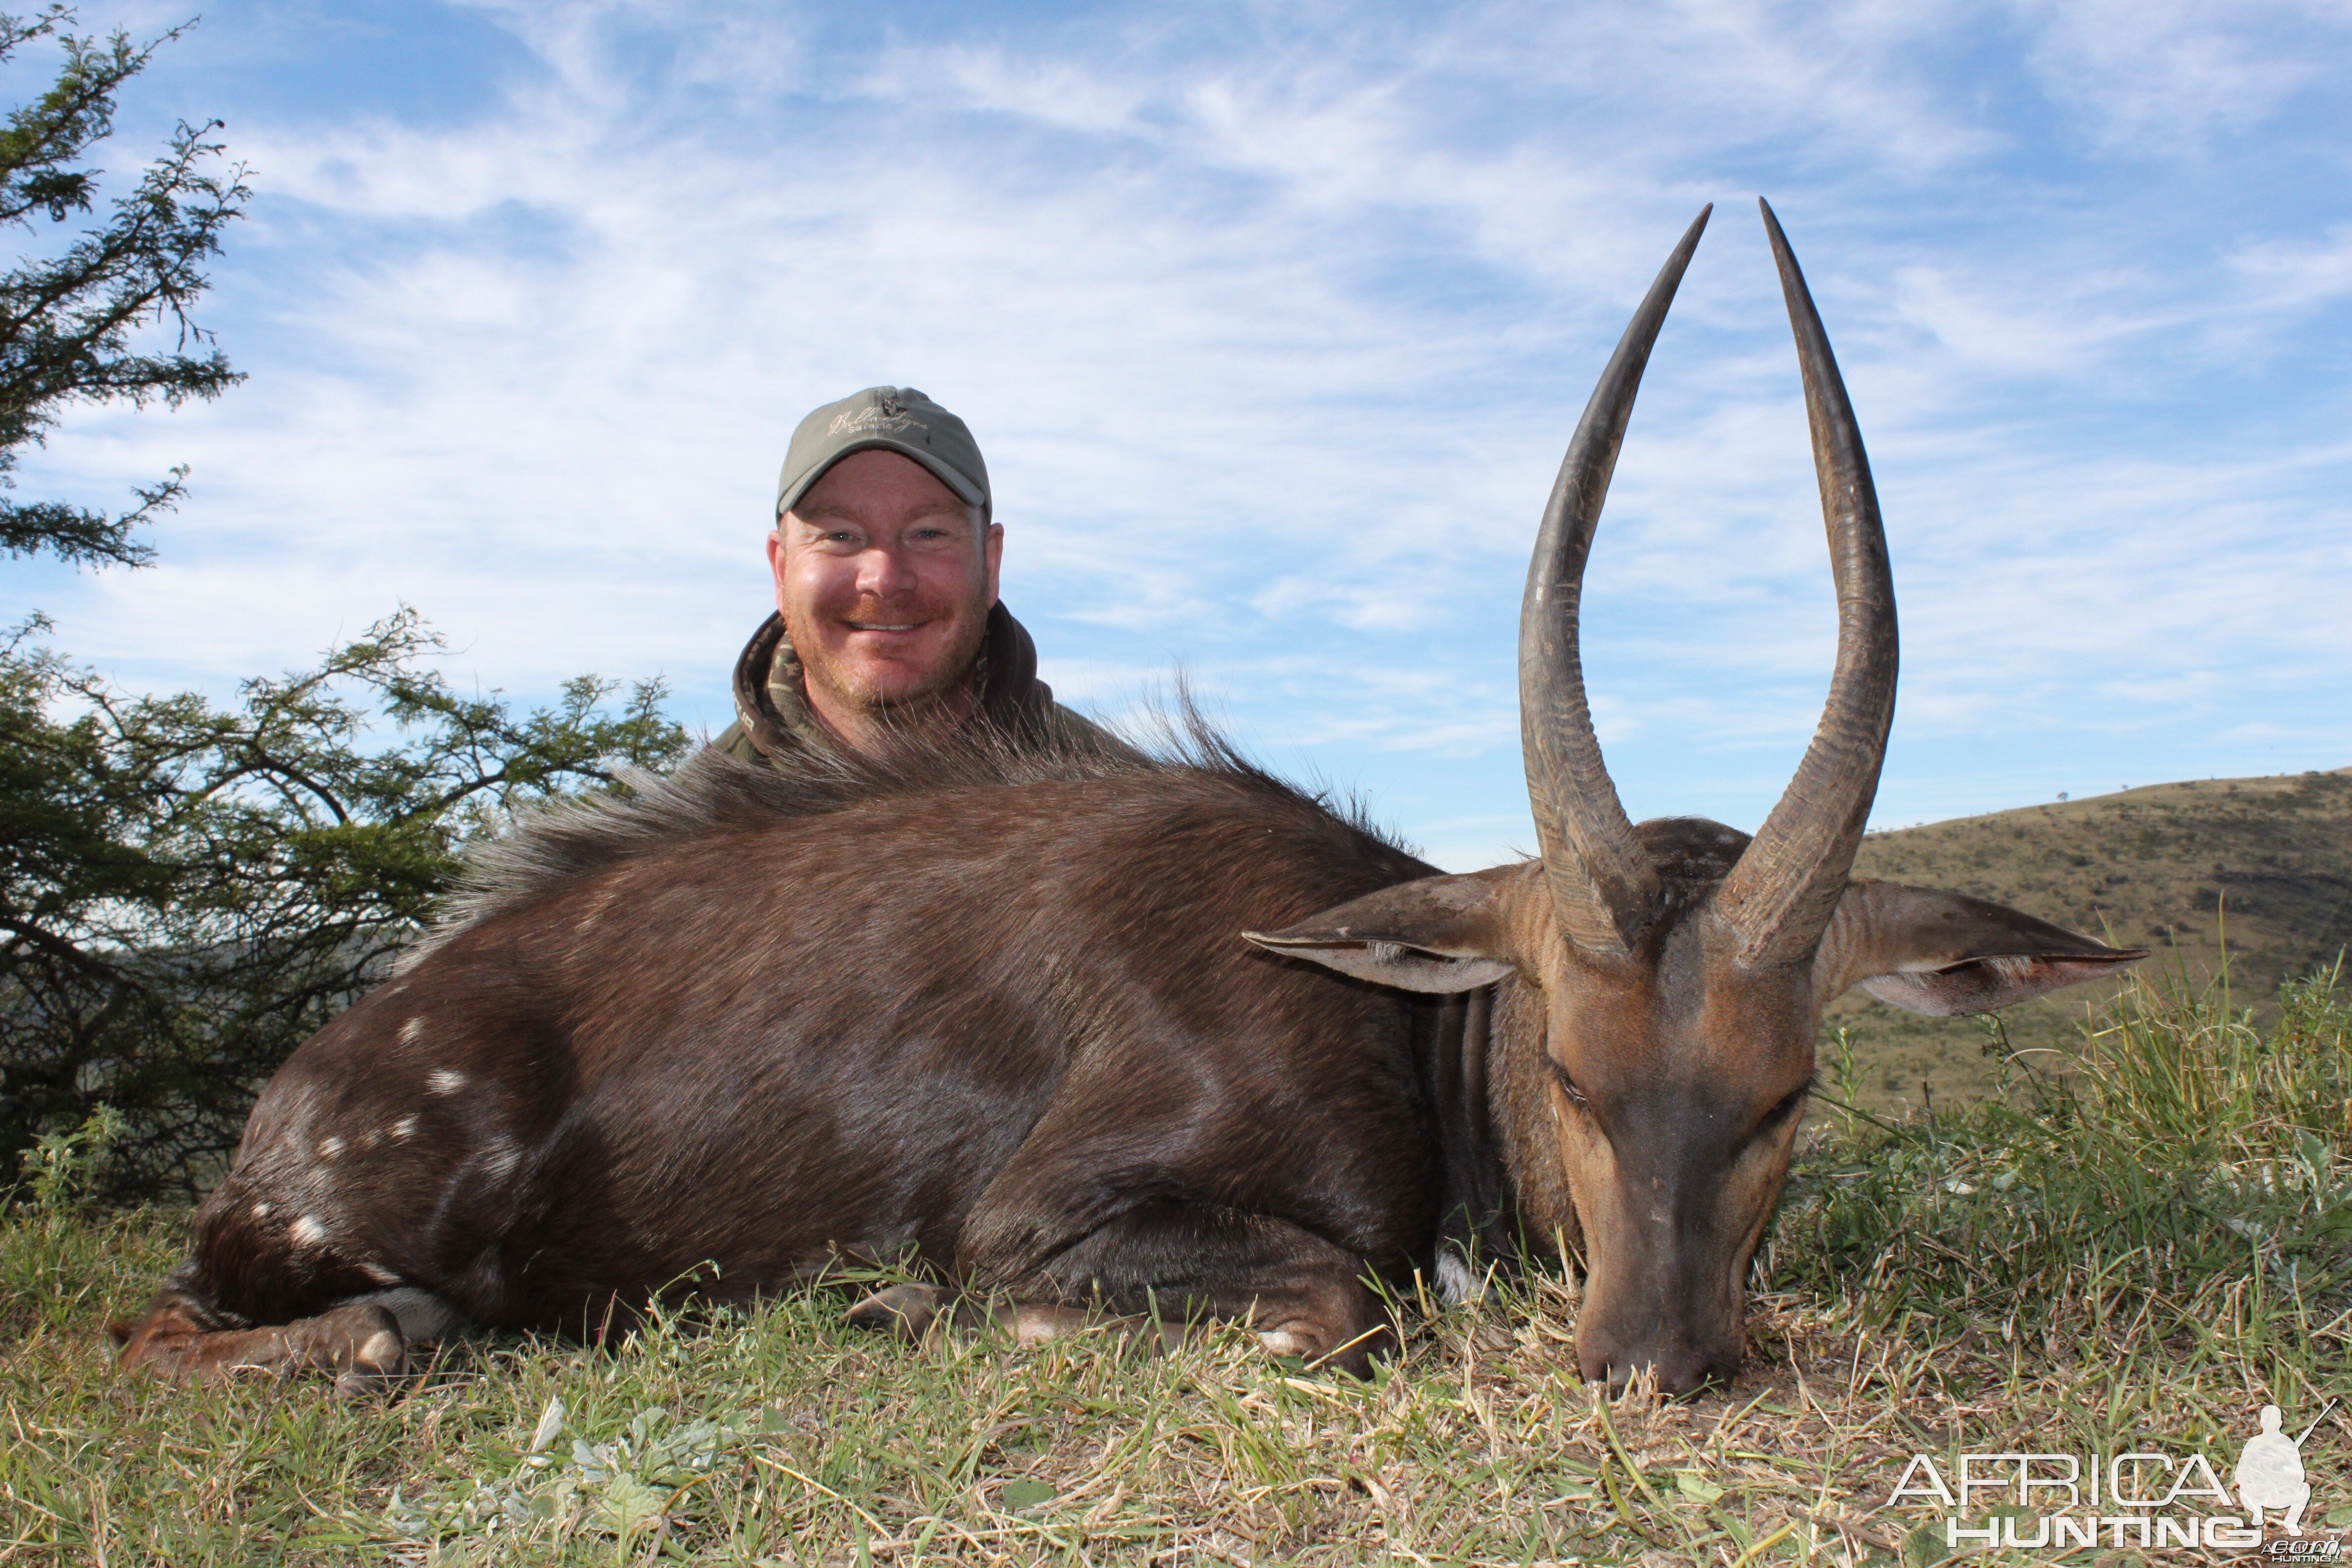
(2166, 75)
(2299, 275)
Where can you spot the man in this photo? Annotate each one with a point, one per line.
(888, 629)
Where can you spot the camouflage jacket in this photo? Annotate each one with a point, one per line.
(772, 717)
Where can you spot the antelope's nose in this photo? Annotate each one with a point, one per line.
(1678, 1368)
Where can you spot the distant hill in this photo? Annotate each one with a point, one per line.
(2265, 863)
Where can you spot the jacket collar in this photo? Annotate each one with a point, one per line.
(773, 705)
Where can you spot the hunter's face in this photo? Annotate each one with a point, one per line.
(884, 578)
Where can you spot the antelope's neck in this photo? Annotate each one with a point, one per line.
(1479, 1056)
(1520, 1110)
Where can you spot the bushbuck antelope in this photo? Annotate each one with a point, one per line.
(994, 1015)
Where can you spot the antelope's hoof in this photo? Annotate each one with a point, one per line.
(371, 1355)
(1353, 1356)
(906, 1311)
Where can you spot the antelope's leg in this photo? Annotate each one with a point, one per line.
(1188, 1261)
(364, 1343)
(361, 1344)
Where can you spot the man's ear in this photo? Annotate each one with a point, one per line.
(1438, 934)
(1941, 953)
(776, 561)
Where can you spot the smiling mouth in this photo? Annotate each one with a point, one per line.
(883, 626)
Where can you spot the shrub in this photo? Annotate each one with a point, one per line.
(188, 891)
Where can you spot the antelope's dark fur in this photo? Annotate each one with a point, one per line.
(989, 1010)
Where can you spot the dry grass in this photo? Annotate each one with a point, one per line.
(2137, 1253)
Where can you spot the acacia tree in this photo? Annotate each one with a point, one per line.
(69, 320)
(187, 891)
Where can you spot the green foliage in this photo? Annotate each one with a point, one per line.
(2178, 1073)
(68, 320)
(625, 1487)
(187, 891)
(59, 1167)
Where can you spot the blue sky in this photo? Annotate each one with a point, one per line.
(1272, 321)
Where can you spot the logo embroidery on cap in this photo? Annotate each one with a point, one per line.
(873, 421)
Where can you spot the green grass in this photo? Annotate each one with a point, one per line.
(2136, 1252)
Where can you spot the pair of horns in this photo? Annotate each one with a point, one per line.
(1780, 897)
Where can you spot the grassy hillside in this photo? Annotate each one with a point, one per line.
(2263, 864)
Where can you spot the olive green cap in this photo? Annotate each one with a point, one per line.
(895, 419)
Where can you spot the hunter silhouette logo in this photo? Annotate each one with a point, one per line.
(2270, 1472)
(2144, 1499)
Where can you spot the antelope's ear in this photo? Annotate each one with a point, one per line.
(1941, 954)
(1438, 934)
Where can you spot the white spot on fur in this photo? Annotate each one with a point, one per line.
(1284, 1341)
(501, 1158)
(261, 1211)
(382, 1351)
(308, 1231)
(411, 1032)
(379, 1273)
(404, 1129)
(445, 1081)
(331, 1148)
(1455, 1283)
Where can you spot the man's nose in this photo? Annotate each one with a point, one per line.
(882, 571)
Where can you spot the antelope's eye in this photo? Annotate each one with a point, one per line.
(1567, 1084)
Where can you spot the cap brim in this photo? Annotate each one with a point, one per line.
(970, 493)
